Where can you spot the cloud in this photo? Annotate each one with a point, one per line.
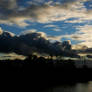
(86, 36)
(83, 34)
(6, 41)
(50, 26)
(28, 31)
(1, 31)
(42, 11)
(54, 27)
(32, 42)
(79, 47)
(12, 56)
(55, 38)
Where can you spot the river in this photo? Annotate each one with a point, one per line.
(78, 87)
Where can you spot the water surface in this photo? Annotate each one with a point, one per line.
(78, 87)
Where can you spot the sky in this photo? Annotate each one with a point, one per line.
(58, 20)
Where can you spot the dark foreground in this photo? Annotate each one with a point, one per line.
(40, 74)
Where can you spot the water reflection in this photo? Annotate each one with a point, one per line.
(79, 87)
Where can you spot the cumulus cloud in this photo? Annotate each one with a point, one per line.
(32, 42)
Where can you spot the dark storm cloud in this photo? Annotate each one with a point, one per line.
(29, 43)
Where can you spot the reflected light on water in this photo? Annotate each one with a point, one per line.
(79, 87)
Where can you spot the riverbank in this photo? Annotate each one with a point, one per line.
(41, 74)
